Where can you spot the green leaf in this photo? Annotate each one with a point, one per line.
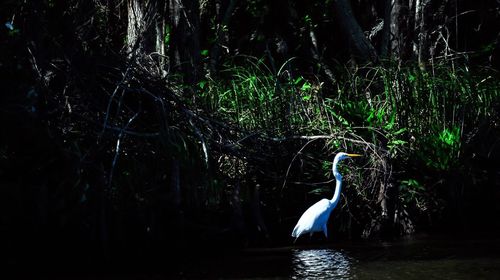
(202, 84)
(411, 77)
(402, 130)
(450, 137)
(391, 122)
(298, 80)
(306, 86)
(204, 52)
(307, 19)
(371, 116)
(167, 35)
(412, 183)
(398, 142)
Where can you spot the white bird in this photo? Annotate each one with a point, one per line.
(316, 217)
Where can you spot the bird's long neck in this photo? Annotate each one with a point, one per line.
(338, 184)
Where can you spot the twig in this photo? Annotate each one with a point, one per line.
(35, 65)
(293, 159)
(117, 149)
(202, 140)
(133, 133)
(106, 118)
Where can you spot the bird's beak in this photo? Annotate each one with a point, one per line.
(354, 155)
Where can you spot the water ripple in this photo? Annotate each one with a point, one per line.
(321, 264)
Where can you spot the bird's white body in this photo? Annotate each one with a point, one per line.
(315, 218)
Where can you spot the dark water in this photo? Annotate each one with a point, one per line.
(429, 258)
(442, 258)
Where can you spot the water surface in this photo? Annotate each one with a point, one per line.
(428, 258)
(410, 259)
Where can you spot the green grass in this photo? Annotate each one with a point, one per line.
(430, 108)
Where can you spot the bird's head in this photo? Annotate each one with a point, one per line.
(340, 156)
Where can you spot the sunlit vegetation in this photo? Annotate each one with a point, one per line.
(420, 118)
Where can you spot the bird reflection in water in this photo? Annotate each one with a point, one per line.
(320, 264)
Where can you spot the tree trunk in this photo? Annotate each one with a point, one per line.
(422, 31)
(315, 54)
(146, 29)
(363, 49)
(386, 30)
(160, 32)
(387, 199)
(136, 24)
(185, 41)
(397, 32)
(398, 29)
